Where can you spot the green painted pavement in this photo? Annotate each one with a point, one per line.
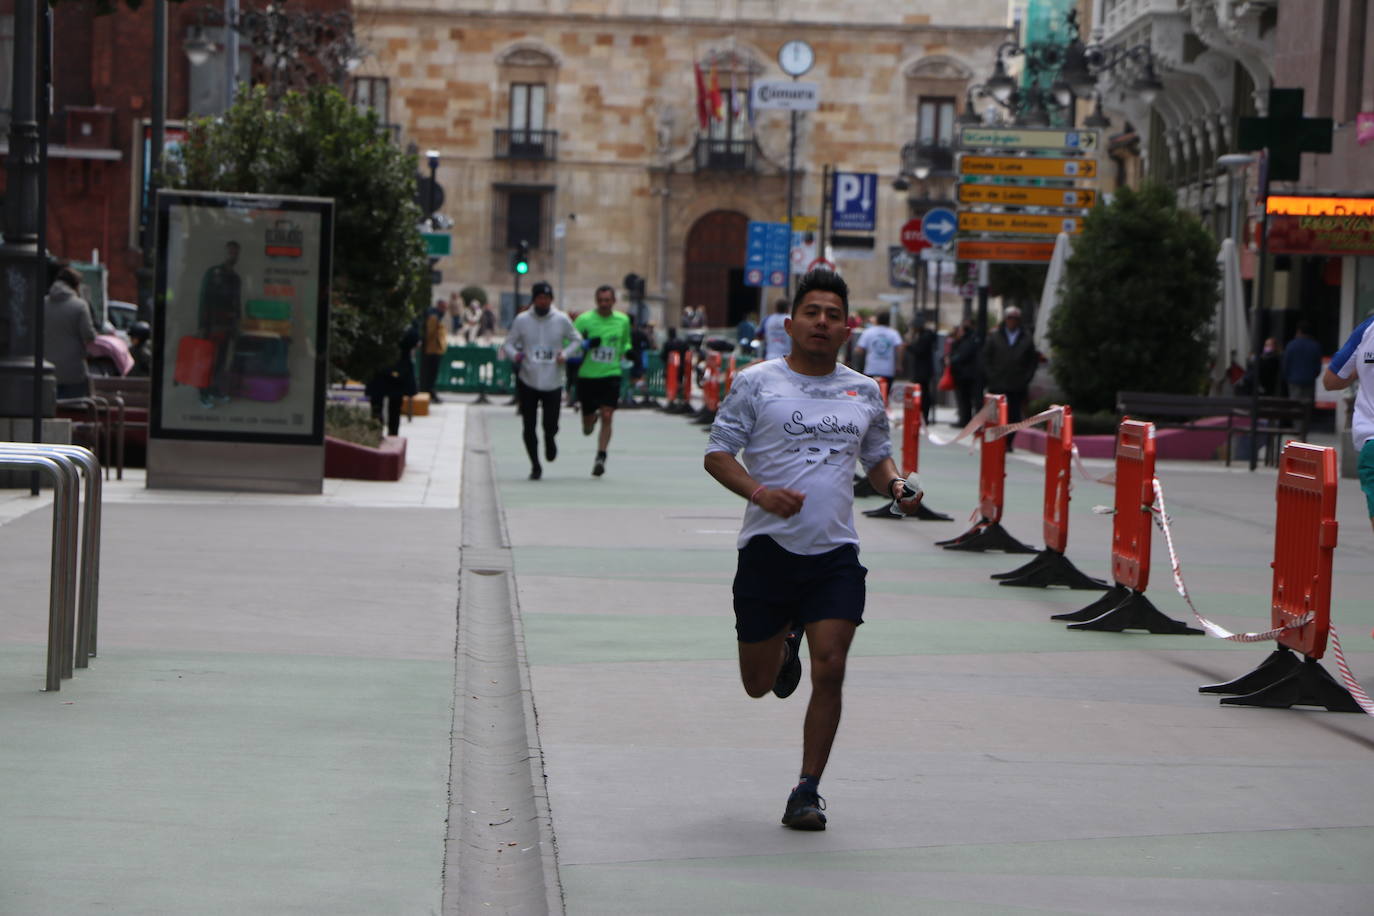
(574, 639)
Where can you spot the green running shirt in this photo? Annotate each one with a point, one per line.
(603, 360)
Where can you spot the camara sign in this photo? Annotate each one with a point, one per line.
(788, 95)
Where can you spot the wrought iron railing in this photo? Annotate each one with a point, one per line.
(726, 155)
(520, 143)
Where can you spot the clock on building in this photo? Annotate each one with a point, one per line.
(796, 57)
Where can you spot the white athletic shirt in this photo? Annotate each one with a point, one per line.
(1356, 357)
(776, 342)
(803, 432)
(540, 339)
(880, 344)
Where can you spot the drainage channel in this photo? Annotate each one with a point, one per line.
(499, 854)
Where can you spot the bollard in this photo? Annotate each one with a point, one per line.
(710, 391)
(1304, 541)
(1124, 606)
(911, 444)
(670, 378)
(987, 533)
(882, 390)
(1051, 567)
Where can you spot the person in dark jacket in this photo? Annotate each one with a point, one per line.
(390, 385)
(1302, 363)
(1009, 361)
(922, 350)
(140, 349)
(963, 367)
(67, 329)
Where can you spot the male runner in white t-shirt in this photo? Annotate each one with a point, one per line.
(879, 350)
(1355, 360)
(801, 421)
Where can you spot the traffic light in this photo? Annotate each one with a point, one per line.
(520, 259)
(634, 285)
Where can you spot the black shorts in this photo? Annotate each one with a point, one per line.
(595, 393)
(773, 588)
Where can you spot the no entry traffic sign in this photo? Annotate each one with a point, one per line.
(912, 239)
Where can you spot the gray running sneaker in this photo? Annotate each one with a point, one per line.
(789, 675)
(804, 811)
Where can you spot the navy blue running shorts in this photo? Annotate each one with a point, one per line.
(773, 588)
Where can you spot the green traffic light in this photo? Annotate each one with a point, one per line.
(522, 267)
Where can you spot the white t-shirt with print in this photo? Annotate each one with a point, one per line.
(804, 433)
(880, 344)
(1356, 358)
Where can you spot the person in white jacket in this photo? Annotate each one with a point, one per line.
(540, 340)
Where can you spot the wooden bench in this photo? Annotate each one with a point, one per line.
(1278, 417)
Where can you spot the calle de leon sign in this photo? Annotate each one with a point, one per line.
(1321, 225)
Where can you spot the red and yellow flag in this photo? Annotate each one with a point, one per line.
(717, 109)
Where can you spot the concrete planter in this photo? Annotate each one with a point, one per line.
(358, 462)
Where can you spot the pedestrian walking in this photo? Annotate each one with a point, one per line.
(540, 341)
(1009, 362)
(1355, 360)
(607, 336)
(801, 422)
(392, 384)
(1302, 363)
(436, 344)
(922, 358)
(964, 354)
(67, 328)
(879, 350)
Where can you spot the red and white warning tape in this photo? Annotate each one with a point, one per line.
(1161, 517)
(1044, 416)
(979, 420)
(1108, 478)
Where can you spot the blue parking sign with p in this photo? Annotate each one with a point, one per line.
(854, 202)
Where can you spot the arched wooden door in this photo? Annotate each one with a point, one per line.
(714, 274)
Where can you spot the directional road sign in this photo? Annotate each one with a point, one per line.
(999, 138)
(1009, 195)
(1006, 252)
(854, 202)
(939, 226)
(1027, 167)
(1019, 223)
(765, 255)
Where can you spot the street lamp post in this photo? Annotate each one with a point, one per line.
(1233, 163)
(432, 201)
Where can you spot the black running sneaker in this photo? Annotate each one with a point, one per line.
(789, 675)
(536, 472)
(550, 450)
(599, 467)
(804, 811)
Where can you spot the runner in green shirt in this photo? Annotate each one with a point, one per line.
(607, 336)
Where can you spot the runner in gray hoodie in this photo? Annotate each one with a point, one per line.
(541, 339)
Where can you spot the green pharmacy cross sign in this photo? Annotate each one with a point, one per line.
(1286, 134)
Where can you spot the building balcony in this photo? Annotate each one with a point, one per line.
(528, 145)
(937, 158)
(726, 155)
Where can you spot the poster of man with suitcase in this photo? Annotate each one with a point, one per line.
(242, 307)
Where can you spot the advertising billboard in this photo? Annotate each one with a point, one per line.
(241, 323)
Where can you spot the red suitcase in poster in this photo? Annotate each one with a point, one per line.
(195, 362)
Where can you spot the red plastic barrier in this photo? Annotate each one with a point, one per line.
(882, 390)
(1058, 468)
(911, 430)
(992, 465)
(710, 385)
(730, 374)
(671, 376)
(1133, 524)
(1304, 540)
(687, 377)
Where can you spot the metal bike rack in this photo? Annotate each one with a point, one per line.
(68, 646)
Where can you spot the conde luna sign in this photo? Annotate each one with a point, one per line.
(788, 95)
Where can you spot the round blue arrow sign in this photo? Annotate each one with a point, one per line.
(939, 226)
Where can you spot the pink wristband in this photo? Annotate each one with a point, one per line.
(753, 497)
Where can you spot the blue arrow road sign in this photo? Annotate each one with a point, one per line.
(766, 254)
(939, 226)
(854, 202)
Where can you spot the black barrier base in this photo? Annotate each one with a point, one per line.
(678, 407)
(1050, 567)
(1115, 596)
(1276, 666)
(862, 487)
(1136, 613)
(925, 514)
(1280, 684)
(704, 417)
(984, 536)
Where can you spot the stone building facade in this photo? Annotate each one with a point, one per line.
(573, 124)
